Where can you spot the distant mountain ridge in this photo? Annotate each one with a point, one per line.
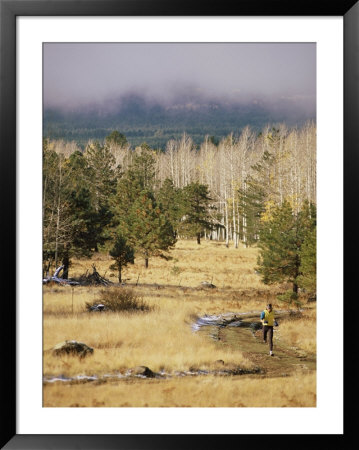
(142, 120)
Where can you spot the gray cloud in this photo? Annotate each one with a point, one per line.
(77, 75)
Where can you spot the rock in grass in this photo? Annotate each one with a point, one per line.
(219, 362)
(207, 285)
(72, 348)
(143, 371)
(97, 307)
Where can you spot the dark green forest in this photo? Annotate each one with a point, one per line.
(156, 124)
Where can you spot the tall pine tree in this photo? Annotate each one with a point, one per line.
(147, 228)
(122, 253)
(141, 218)
(257, 190)
(281, 239)
(170, 199)
(75, 212)
(307, 279)
(196, 207)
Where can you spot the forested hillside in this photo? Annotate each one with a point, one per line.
(156, 123)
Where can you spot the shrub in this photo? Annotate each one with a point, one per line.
(119, 299)
(176, 270)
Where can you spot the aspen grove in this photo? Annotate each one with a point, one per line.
(236, 184)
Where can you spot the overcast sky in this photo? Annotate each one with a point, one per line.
(80, 74)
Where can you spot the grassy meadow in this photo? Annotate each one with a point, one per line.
(162, 338)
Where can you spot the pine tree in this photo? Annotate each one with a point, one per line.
(116, 138)
(257, 190)
(308, 262)
(101, 177)
(141, 219)
(170, 200)
(280, 242)
(251, 207)
(74, 216)
(196, 210)
(139, 176)
(122, 253)
(147, 228)
(88, 214)
(100, 173)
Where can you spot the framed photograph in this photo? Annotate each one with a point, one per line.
(86, 81)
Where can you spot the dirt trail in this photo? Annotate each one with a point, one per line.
(247, 338)
(241, 332)
(284, 362)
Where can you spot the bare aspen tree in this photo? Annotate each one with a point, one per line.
(64, 148)
(121, 156)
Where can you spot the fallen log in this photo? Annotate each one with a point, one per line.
(93, 279)
(56, 279)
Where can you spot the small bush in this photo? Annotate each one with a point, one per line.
(119, 299)
(176, 270)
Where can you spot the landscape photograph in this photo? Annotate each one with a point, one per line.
(179, 231)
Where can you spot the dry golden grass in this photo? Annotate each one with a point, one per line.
(211, 260)
(162, 339)
(301, 332)
(295, 391)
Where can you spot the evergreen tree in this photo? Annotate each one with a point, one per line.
(251, 206)
(122, 253)
(88, 214)
(170, 199)
(258, 189)
(143, 168)
(116, 138)
(308, 254)
(145, 146)
(147, 228)
(92, 187)
(141, 218)
(281, 239)
(100, 173)
(75, 213)
(196, 206)
(139, 176)
(101, 177)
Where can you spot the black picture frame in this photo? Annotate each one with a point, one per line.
(9, 10)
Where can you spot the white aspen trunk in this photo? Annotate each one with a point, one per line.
(280, 171)
(58, 214)
(226, 219)
(238, 231)
(183, 181)
(234, 221)
(245, 232)
(244, 220)
(173, 163)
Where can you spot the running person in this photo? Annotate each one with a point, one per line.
(268, 320)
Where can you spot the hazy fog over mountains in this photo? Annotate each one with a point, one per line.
(155, 91)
